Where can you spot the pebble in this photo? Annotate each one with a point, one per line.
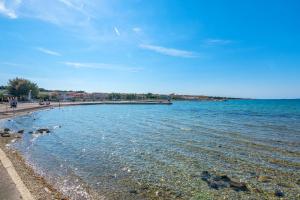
(279, 193)
(264, 179)
(133, 191)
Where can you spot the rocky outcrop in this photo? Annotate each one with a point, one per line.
(5, 132)
(217, 182)
(43, 130)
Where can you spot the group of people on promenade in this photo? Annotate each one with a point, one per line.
(13, 102)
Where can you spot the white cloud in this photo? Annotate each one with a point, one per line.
(8, 9)
(105, 66)
(214, 42)
(169, 51)
(117, 31)
(137, 29)
(47, 51)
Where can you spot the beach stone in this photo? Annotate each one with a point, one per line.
(213, 184)
(6, 130)
(47, 190)
(298, 182)
(42, 130)
(133, 191)
(279, 193)
(5, 134)
(264, 179)
(158, 193)
(205, 175)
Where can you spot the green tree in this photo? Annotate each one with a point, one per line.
(20, 87)
(1, 96)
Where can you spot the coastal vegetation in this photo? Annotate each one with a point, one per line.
(20, 87)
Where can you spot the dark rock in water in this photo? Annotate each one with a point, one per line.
(222, 181)
(42, 130)
(218, 184)
(205, 175)
(238, 186)
(213, 184)
(133, 191)
(279, 193)
(30, 132)
(178, 194)
(214, 181)
(21, 131)
(5, 134)
(224, 178)
(6, 129)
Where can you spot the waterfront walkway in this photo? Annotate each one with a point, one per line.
(11, 185)
(8, 189)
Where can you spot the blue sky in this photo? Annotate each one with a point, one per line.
(235, 48)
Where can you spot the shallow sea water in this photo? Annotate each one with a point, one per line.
(160, 151)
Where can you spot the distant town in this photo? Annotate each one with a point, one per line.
(20, 88)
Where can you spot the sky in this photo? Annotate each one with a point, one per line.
(248, 48)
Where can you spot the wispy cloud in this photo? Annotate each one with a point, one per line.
(47, 51)
(169, 51)
(117, 31)
(10, 64)
(9, 9)
(216, 42)
(80, 17)
(105, 66)
(137, 29)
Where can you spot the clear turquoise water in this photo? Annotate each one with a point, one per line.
(160, 150)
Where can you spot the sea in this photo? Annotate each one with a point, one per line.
(162, 151)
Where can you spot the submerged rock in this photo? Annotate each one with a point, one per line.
(205, 175)
(42, 130)
(238, 186)
(133, 191)
(279, 193)
(5, 134)
(6, 130)
(21, 131)
(222, 181)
